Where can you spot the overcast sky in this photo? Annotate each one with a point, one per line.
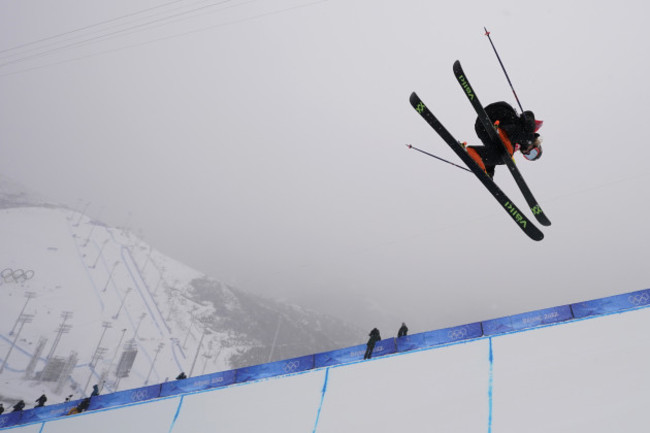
(262, 142)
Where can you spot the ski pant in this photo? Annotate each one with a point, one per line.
(369, 349)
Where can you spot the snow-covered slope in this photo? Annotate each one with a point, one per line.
(79, 295)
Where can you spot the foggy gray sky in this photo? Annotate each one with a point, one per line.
(262, 142)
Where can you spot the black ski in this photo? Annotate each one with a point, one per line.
(518, 217)
(489, 127)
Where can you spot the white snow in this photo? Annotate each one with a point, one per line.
(86, 268)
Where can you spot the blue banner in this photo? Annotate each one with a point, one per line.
(527, 320)
(612, 304)
(10, 419)
(340, 356)
(197, 383)
(124, 397)
(39, 414)
(457, 333)
(355, 353)
(277, 368)
(410, 342)
(436, 338)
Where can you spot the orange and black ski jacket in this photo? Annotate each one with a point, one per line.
(518, 129)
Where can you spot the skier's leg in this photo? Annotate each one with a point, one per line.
(475, 153)
(506, 141)
(370, 349)
(490, 157)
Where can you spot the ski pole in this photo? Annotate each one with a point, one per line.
(503, 67)
(437, 157)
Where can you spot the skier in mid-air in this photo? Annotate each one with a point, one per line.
(517, 132)
(502, 132)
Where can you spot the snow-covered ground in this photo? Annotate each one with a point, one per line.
(76, 291)
(129, 291)
(585, 375)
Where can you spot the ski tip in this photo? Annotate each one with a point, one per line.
(458, 69)
(409, 146)
(486, 31)
(415, 100)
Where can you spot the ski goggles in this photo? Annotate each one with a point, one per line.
(533, 153)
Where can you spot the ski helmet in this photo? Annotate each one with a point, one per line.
(528, 121)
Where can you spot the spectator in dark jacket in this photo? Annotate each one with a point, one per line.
(2, 408)
(181, 376)
(19, 406)
(95, 390)
(41, 400)
(374, 338)
(81, 407)
(402, 331)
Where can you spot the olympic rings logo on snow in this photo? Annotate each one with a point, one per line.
(639, 299)
(291, 366)
(9, 275)
(457, 334)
